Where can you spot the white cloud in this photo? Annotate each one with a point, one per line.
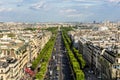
(88, 3)
(81, 0)
(67, 11)
(114, 0)
(87, 0)
(5, 9)
(18, 1)
(74, 13)
(39, 5)
(1, 3)
(11, 1)
(82, 15)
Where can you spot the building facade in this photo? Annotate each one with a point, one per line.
(17, 53)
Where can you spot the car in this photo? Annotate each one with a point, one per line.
(90, 71)
(99, 77)
(55, 77)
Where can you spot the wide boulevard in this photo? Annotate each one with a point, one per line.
(59, 67)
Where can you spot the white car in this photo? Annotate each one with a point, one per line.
(90, 71)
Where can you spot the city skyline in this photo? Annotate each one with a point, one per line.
(59, 10)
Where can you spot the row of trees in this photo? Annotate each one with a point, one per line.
(79, 58)
(42, 53)
(44, 56)
(76, 60)
(45, 61)
(77, 55)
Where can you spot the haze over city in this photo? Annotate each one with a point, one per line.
(59, 10)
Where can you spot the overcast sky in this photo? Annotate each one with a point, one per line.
(59, 10)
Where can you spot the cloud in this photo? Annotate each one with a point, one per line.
(74, 13)
(11, 1)
(114, 1)
(68, 11)
(38, 6)
(5, 9)
(88, 3)
(18, 1)
(83, 15)
(59, 9)
(81, 0)
(1, 3)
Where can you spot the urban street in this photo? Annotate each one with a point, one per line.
(59, 67)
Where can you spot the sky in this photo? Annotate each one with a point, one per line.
(59, 10)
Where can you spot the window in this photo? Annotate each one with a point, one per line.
(8, 52)
(16, 52)
(117, 60)
(1, 71)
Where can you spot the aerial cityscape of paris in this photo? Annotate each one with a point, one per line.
(59, 39)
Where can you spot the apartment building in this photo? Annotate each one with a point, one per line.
(101, 50)
(18, 52)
